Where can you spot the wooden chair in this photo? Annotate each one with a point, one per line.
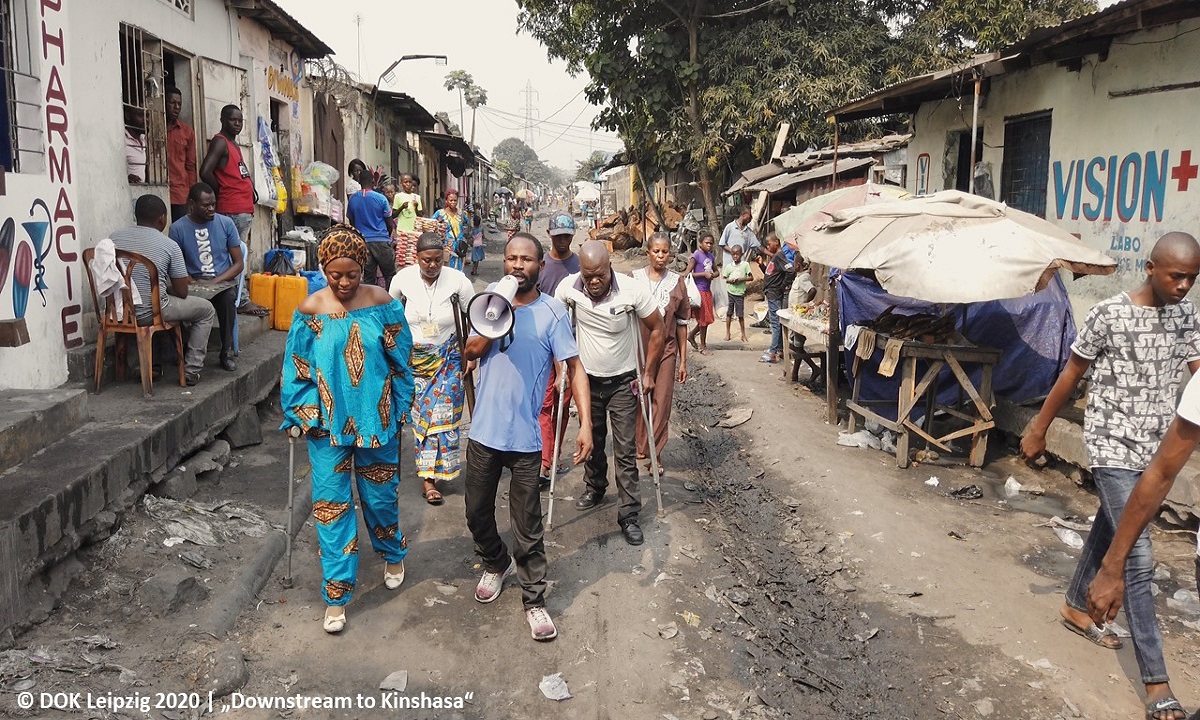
(128, 324)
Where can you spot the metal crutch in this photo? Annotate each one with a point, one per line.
(559, 407)
(557, 417)
(292, 433)
(646, 405)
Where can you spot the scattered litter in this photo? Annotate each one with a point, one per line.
(668, 631)
(195, 559)
(660, 577)
(1012, 488)
(868, 636)
(446, 589)
(922, 456)
(690, 618)
(554, 687)
(1056, 521)
(736, 416)
(691, 486)
(639, 569)
(1033, 490)
(857, 513)
(687, 432)
(933, 481)
(1162, 573)
(22, 685)
(737, 597)
(1185, 601)
(396, 681)
(1071, 538)
(954, 534)
(204, 525)
(887, 442)
(173, 541)
(711, 593)
(1042, 664)
(967, 492)
(689, 551)
(860, 439)
(984, 707)
(431, 601)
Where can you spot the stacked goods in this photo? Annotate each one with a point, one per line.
(923, 327)
(406, 242)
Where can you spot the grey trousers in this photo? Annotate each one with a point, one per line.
(199, 315)
(612, 398)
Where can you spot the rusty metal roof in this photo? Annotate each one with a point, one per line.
(283, 26)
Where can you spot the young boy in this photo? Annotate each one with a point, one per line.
(736, 274)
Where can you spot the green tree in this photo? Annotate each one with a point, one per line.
(468, 92)
(705, 84)
(525, 162)
(586, 168)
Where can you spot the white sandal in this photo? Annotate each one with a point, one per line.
(335, 623)
(393, 581)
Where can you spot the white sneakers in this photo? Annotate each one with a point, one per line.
(540, 625)
(491, 584)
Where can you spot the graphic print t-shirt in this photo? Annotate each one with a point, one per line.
(206, 248)
(1138, 355)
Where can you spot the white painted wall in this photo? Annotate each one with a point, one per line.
(1091, 128)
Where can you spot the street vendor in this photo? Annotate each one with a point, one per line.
(1136, 345)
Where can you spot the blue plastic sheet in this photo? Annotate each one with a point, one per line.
(1033, 333)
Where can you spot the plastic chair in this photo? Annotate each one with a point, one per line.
(128, 324)
(237, 347)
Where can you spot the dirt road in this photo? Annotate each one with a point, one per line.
(790, 578)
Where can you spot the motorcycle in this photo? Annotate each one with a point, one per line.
(687, 232)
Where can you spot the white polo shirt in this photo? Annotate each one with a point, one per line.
(606, 344)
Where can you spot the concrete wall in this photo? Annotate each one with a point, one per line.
(1123, 170)
(76, 56)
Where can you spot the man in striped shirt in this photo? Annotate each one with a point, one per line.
(147, 238)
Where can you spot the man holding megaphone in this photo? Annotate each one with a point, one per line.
(516, 334)
(606, 306)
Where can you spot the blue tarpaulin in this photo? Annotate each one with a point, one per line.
(1033, 333)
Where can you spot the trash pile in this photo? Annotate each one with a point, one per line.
(210, 526)
(624, 230)
(316, 194)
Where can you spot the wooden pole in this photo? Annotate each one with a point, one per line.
(974, 131)
(833, 356)
(835, 153)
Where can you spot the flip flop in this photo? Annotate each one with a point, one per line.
(1094, 634)
(253, 309)
(1166, 705)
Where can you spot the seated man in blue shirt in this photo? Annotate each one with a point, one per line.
(212, 252)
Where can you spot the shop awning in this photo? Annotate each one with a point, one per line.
(455, 150)
(406, 108)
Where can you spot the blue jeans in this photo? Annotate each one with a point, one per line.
(1114, 486)
(773, 305)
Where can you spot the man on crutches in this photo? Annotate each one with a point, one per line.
(609, 352)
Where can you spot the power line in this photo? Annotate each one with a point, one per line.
(564, 132)
(529, 93)
(576, 132)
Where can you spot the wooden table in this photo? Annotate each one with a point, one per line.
(933, 358)
(818, 348)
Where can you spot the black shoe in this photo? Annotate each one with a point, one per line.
(227, 362)
(759, 324)
(633, 533)
(191, 378)
(589, 499)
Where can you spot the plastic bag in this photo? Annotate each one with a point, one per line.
(279, 261)
(319, 173)
(693, 292)
(720, 297)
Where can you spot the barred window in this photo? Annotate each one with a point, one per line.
(144, 106)
(21, 143)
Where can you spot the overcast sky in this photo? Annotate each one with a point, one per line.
(477, 36)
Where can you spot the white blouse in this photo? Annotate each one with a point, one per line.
(427, 307)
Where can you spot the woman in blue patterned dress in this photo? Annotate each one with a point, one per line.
(456, 243)
(347, 385)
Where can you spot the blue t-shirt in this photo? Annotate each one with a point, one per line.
(512, 383)
(369, 210)
(206, 247)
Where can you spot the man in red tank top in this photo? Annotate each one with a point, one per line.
(228, 173)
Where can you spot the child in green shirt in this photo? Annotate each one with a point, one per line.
(736, 274)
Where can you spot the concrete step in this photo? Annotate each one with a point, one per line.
(76, 488)
(82, 361)
(32, 419)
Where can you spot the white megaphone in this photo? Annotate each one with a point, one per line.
(490, 312)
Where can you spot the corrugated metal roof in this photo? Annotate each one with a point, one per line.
(283, 26)
(783, 182)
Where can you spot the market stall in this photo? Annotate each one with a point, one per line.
(819, 346)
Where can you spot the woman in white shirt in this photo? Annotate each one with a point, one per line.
(428, 290)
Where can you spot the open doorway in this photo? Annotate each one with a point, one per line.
(965, 164)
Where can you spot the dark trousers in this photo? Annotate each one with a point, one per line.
(226, 305)
(484, 466)
(381, 256)
(178, 211)
(613, 399)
